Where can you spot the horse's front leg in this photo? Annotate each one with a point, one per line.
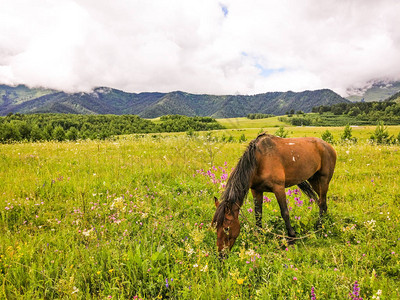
(280, 195)
(257, 197)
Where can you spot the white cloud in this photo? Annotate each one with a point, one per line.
(210, 46)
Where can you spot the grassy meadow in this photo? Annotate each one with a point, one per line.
(130, 218)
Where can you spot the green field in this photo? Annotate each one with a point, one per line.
(130, 219)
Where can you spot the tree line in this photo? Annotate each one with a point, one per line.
(259, 116)
(60, 127)
(371, 112)
(357, 113)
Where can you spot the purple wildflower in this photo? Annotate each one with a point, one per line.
(313, 296)
(355, 295)
(266, 199)
(298, 201)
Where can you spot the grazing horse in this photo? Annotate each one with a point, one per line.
(271, 164)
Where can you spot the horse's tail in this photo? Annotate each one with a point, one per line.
(307, 189)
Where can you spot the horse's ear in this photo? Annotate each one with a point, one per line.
(216, 201)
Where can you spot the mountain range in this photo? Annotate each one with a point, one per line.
(374, 90)
(22, 99)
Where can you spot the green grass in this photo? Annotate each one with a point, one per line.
(131, 217)
(241, 123)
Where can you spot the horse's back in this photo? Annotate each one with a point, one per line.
(295, 155)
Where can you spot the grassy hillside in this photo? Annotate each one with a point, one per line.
(14, 95)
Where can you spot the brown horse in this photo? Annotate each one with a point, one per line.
(271, 164)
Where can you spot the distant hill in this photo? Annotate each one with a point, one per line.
(374, 91)
(151, 105)
(13, 95)
(394, 98)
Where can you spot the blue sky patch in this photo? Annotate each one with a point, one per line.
(224, 9)
(268, 72)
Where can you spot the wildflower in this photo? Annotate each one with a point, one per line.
(195, 265)
(370, 225)
(75, 290)
(197, 236)
(378, 293)
(111, 270)
(266, 199)
(87, 232)
(250, 210)
(205, 268)
(234, 273)
(298, 201)
(118, 204)
(295, 278)
(355, 295)
(240, 281)
(313, 296)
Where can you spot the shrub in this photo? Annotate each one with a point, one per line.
(327, 136)
(282, 132)
(381, 135)
(347, 135)
(242, 138)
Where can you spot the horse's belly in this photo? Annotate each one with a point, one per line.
(298, 175)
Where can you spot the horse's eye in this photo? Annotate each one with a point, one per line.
(226, 230)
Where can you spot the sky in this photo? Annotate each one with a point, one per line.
(203, 47)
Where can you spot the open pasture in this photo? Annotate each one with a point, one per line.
(130, 219)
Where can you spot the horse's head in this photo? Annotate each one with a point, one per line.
(226, 221)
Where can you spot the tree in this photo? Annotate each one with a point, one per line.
(72, 134)
(24, 129)
(354, 111)
(48, 132)
(36, 133)
(58, 133)
(9, 132)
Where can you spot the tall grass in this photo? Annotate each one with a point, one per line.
(130, 219)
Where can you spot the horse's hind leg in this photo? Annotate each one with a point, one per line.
(257, 196)
(320, 184)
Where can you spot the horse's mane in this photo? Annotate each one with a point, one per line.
(238, 183)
